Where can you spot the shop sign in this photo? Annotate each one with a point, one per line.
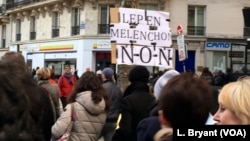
(218, 45)
(102, 44)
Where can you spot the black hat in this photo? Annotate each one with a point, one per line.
(139, 73)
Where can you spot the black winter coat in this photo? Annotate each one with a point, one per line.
(135, 106)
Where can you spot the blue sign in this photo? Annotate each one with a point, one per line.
(82, 26)
(218, 45)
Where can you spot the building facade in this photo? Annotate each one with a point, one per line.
(55, 32)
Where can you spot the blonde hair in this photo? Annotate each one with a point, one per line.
(43, 73)
(236, 97)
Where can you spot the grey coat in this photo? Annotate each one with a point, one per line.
(53, 90)
(89, 119)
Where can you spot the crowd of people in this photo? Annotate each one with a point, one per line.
(42, 109)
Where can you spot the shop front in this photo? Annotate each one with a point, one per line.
(54, 56)
(217, 55)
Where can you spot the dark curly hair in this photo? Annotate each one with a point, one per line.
(90, 82)
(20, 117)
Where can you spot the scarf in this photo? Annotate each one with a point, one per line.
(68, 76)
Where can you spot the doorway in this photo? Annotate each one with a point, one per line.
(189, 62)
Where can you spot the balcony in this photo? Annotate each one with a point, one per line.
(11, 4)
(32, 35)
(75, 30)
(18, 37)
(246, 32)
(196, 30)
(104, 29)
(55, 33)
(2, 9)
(3, 43)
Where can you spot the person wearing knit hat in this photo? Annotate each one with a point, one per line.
(139, 73)
(115, 95)
(108, 73)
(99, 75)
(134, 106)
(163, 80)
(148, 127)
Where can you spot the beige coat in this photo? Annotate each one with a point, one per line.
(89, 121)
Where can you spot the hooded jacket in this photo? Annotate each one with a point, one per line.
(89, 119)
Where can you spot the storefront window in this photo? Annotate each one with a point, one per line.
(58, 66)
(216, 60)
(219, 61)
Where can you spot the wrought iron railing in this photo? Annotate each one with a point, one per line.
(247, 32)
(13, 4)
(32, 35)
(18, 37)
(196, 30)
(104, 29)
(2, 8)
(75, 30)
(3, 43)
(55, 33)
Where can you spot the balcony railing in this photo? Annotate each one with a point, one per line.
(12, 4)
(75, 30)
(2, 8)
(3, 43)
(104, 29)
(247, 32)
(196, 30)
(32, 35)
(18, 37)
(55, 33)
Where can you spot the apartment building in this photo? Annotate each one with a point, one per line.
(54, 32)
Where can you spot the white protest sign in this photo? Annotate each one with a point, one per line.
(144, 55)
(141, 35)
(144, 31)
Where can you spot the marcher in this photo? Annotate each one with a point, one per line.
(43, 75)
(219, 78)
(99, 75)
(18, 97)
(66, 83)
(148, 127)
(135, 104)
(184, 101)
(30, 101)
(207, 76)
(35, 76)
(91, 104)
(234, 103)
(76, 74)
(52, 79)
(115, 95)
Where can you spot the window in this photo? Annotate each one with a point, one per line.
(75, 30)
(196, 20)
(32, 28)
(104, 19)
(18, 30)
(246, 15)
(55, 24)
(148, 6)
(3, 45)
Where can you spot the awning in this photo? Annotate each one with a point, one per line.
(56, 47)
